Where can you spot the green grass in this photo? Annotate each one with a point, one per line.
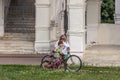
(22, 72)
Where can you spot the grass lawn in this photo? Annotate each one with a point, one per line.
(22, 72)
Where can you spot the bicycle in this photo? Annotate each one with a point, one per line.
(71, 63)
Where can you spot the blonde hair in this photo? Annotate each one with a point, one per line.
(65, 38)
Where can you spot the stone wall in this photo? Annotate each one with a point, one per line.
(93, 12)
(109, 34)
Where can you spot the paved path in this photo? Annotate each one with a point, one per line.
(21, 59)
(98, 55)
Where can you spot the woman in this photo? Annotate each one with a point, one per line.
(65, 47)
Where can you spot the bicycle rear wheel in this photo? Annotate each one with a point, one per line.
(73, 63)
(46, 58)
(45, 65)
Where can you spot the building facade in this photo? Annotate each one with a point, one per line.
(78, 19)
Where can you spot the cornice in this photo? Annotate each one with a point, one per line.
(83, 5)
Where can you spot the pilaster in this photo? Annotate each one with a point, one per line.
(76, 32)
(117, 12)
(42, 25)
(1, 18)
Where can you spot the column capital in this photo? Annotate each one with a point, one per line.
(95, 0)
(77, 5)
(77, 1)
(38, 5)
(76, 33)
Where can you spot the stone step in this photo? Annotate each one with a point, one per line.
(19, 34)
(20, 20)
(21, 16)
(22, 9)
(102, 55)
(20, 26)
(22, 2)
(19, 31)
(16, 48)
(15, 43)
(25, 3)
(9, 47)
(17, 51)
(18, 37)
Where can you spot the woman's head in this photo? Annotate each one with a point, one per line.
(63, 38)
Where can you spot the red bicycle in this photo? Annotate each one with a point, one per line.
(71, 63)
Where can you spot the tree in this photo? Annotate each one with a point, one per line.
(107, 11)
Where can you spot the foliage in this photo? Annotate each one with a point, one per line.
(107, 11)
(22, 72)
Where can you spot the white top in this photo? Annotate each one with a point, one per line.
(64, 48)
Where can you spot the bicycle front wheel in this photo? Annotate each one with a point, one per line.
(73, 63)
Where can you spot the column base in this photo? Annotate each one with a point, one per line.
(77, 43)
(117, 18)
(42, 47)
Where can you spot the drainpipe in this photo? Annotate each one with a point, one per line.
(65, 18)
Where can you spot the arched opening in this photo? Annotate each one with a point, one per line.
(20, 20)
(19, 30)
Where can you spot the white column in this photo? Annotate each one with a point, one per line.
(117, 11)
(1, 18)
(76, 30)
(93, 21)
(42, 24)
